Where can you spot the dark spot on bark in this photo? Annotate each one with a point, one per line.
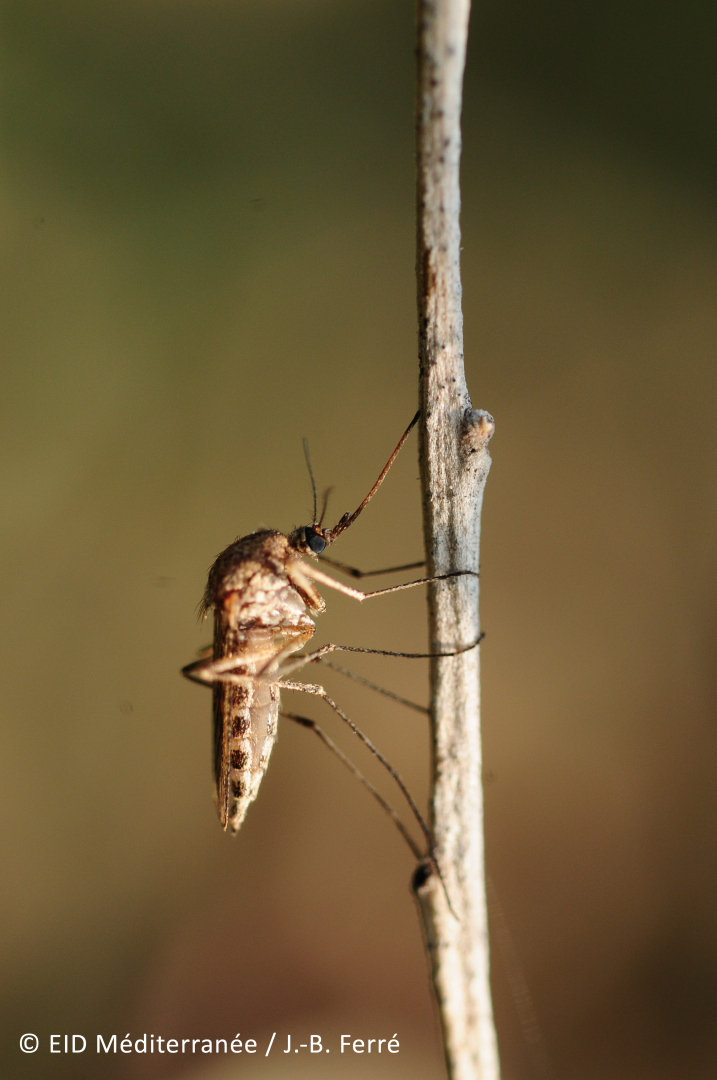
(423, 872)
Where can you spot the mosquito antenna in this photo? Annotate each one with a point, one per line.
(325, 504)
(305, 442)
(348, 519)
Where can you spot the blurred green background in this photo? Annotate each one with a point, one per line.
(207, 252)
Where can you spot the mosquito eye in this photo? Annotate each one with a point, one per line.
(315, 542)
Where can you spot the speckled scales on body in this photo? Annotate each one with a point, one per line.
(258, 616)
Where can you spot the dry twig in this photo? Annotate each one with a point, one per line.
(454, 468)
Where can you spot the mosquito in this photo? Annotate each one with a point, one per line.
(263, 594)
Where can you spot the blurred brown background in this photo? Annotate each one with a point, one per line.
(207, 252)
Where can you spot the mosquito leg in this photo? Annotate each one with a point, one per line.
(373, 686)
(409, 655)
(421, 581)
(205, 675)
(201, 671)
(318, 691)
(207, 671)
(313, 657)
(353, 572)
(262, 661)
(299, 570)
(305, 722)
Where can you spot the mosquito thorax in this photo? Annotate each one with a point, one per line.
(309, 539)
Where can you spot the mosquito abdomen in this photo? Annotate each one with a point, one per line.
(249, 715)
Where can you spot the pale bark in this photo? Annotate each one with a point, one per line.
(454, 467)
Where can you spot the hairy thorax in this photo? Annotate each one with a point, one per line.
(252, 584)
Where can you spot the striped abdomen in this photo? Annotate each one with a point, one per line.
(245, 716)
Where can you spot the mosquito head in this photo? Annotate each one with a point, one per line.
(309, 539)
